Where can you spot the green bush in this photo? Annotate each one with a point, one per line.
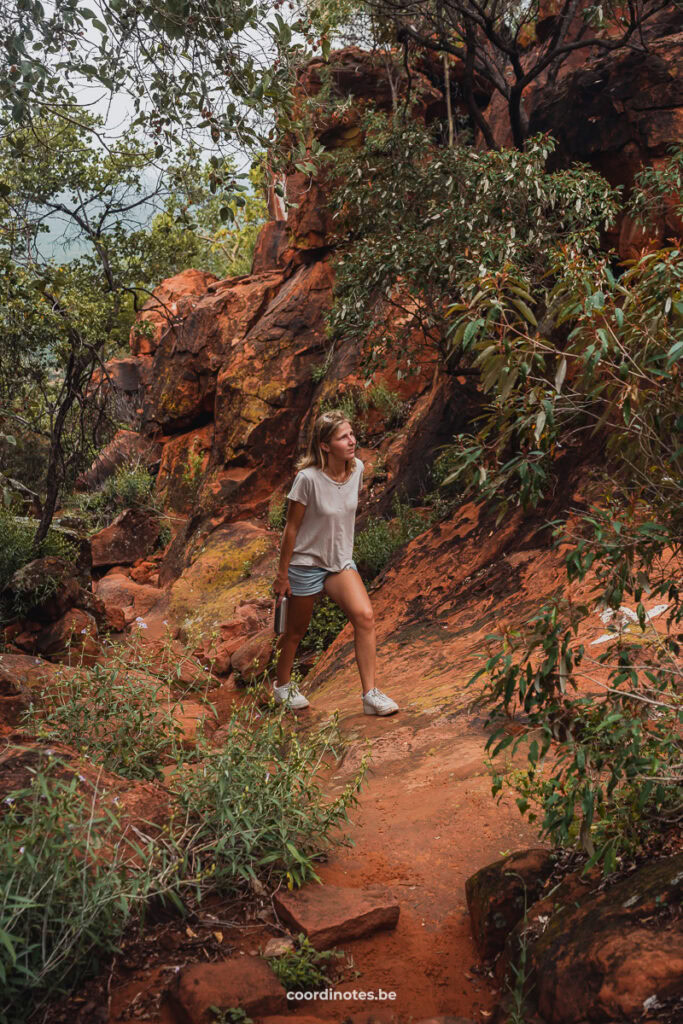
(258, 805)
(303, 968)
(327, 621)
(583, 362)
(69, 884)
(381, 538)
(389, 403)
(16, 550)
(116, 713)
(131, 486)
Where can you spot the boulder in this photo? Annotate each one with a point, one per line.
(183, 465)
(197, 346)
(251, 659)
(499, 894)
(244, 982)
(21, 678)
(133, 534)
(127, 447)
(71, 639)
(45, 588)
(117, 590)
(329, 915)
(613, 955)
(233, 565)
(171, 301)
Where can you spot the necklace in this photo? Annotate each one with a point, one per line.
(338, 483)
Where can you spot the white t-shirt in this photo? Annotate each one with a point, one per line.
(325, 537)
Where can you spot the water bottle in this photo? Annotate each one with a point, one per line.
(281, 616)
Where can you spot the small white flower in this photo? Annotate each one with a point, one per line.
(22, 849)
(84, 630)
(82, 778)
(8, 800)
(140, 622)
(267, 776)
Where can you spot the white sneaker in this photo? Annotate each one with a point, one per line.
(377, 703)
(289, 695)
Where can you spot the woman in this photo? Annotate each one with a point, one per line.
(316, 556)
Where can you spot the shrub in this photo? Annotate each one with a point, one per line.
(303, 968)
(377, 543)
(116, 713)
(601, 723)
(69, 884)
(257, 805)
(131, 486)
(327, 621)
(17, 549)
(389, 403)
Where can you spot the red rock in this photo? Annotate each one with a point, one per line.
(132, 535)
(21, 678)
(72, 639)
(271, 244)
(172, 300)
(126, 447)
(626, 123)
(115, 618)
(239, 981)
(264, 391)
(601, 955)
(142, 571)
(251, 659)
(183, 466)
(191, 353)
(329, 915)
(498, 894)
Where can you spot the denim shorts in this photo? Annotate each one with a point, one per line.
(306, 580)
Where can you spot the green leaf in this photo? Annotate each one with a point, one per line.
(540, 424)
(525, 311)
(674, 353)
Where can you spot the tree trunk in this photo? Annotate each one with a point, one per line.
(447, 90)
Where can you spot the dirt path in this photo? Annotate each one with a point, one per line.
(426, 821)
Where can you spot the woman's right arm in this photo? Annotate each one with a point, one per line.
(295, 514)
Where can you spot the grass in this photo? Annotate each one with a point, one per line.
(131, 486)
(74, 875)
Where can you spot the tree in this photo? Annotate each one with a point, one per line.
(504, 46)
(417, 221)
(61, 320)
(588, 360)
(208, 66)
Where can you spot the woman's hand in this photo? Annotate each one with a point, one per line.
(281, 588)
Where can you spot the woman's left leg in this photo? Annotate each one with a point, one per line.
(347, 589)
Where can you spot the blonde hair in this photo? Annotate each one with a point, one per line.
(324, 428)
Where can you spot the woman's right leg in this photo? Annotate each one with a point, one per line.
(299, 613)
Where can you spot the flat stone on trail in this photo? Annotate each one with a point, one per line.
(328, 915)
(238, 981)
